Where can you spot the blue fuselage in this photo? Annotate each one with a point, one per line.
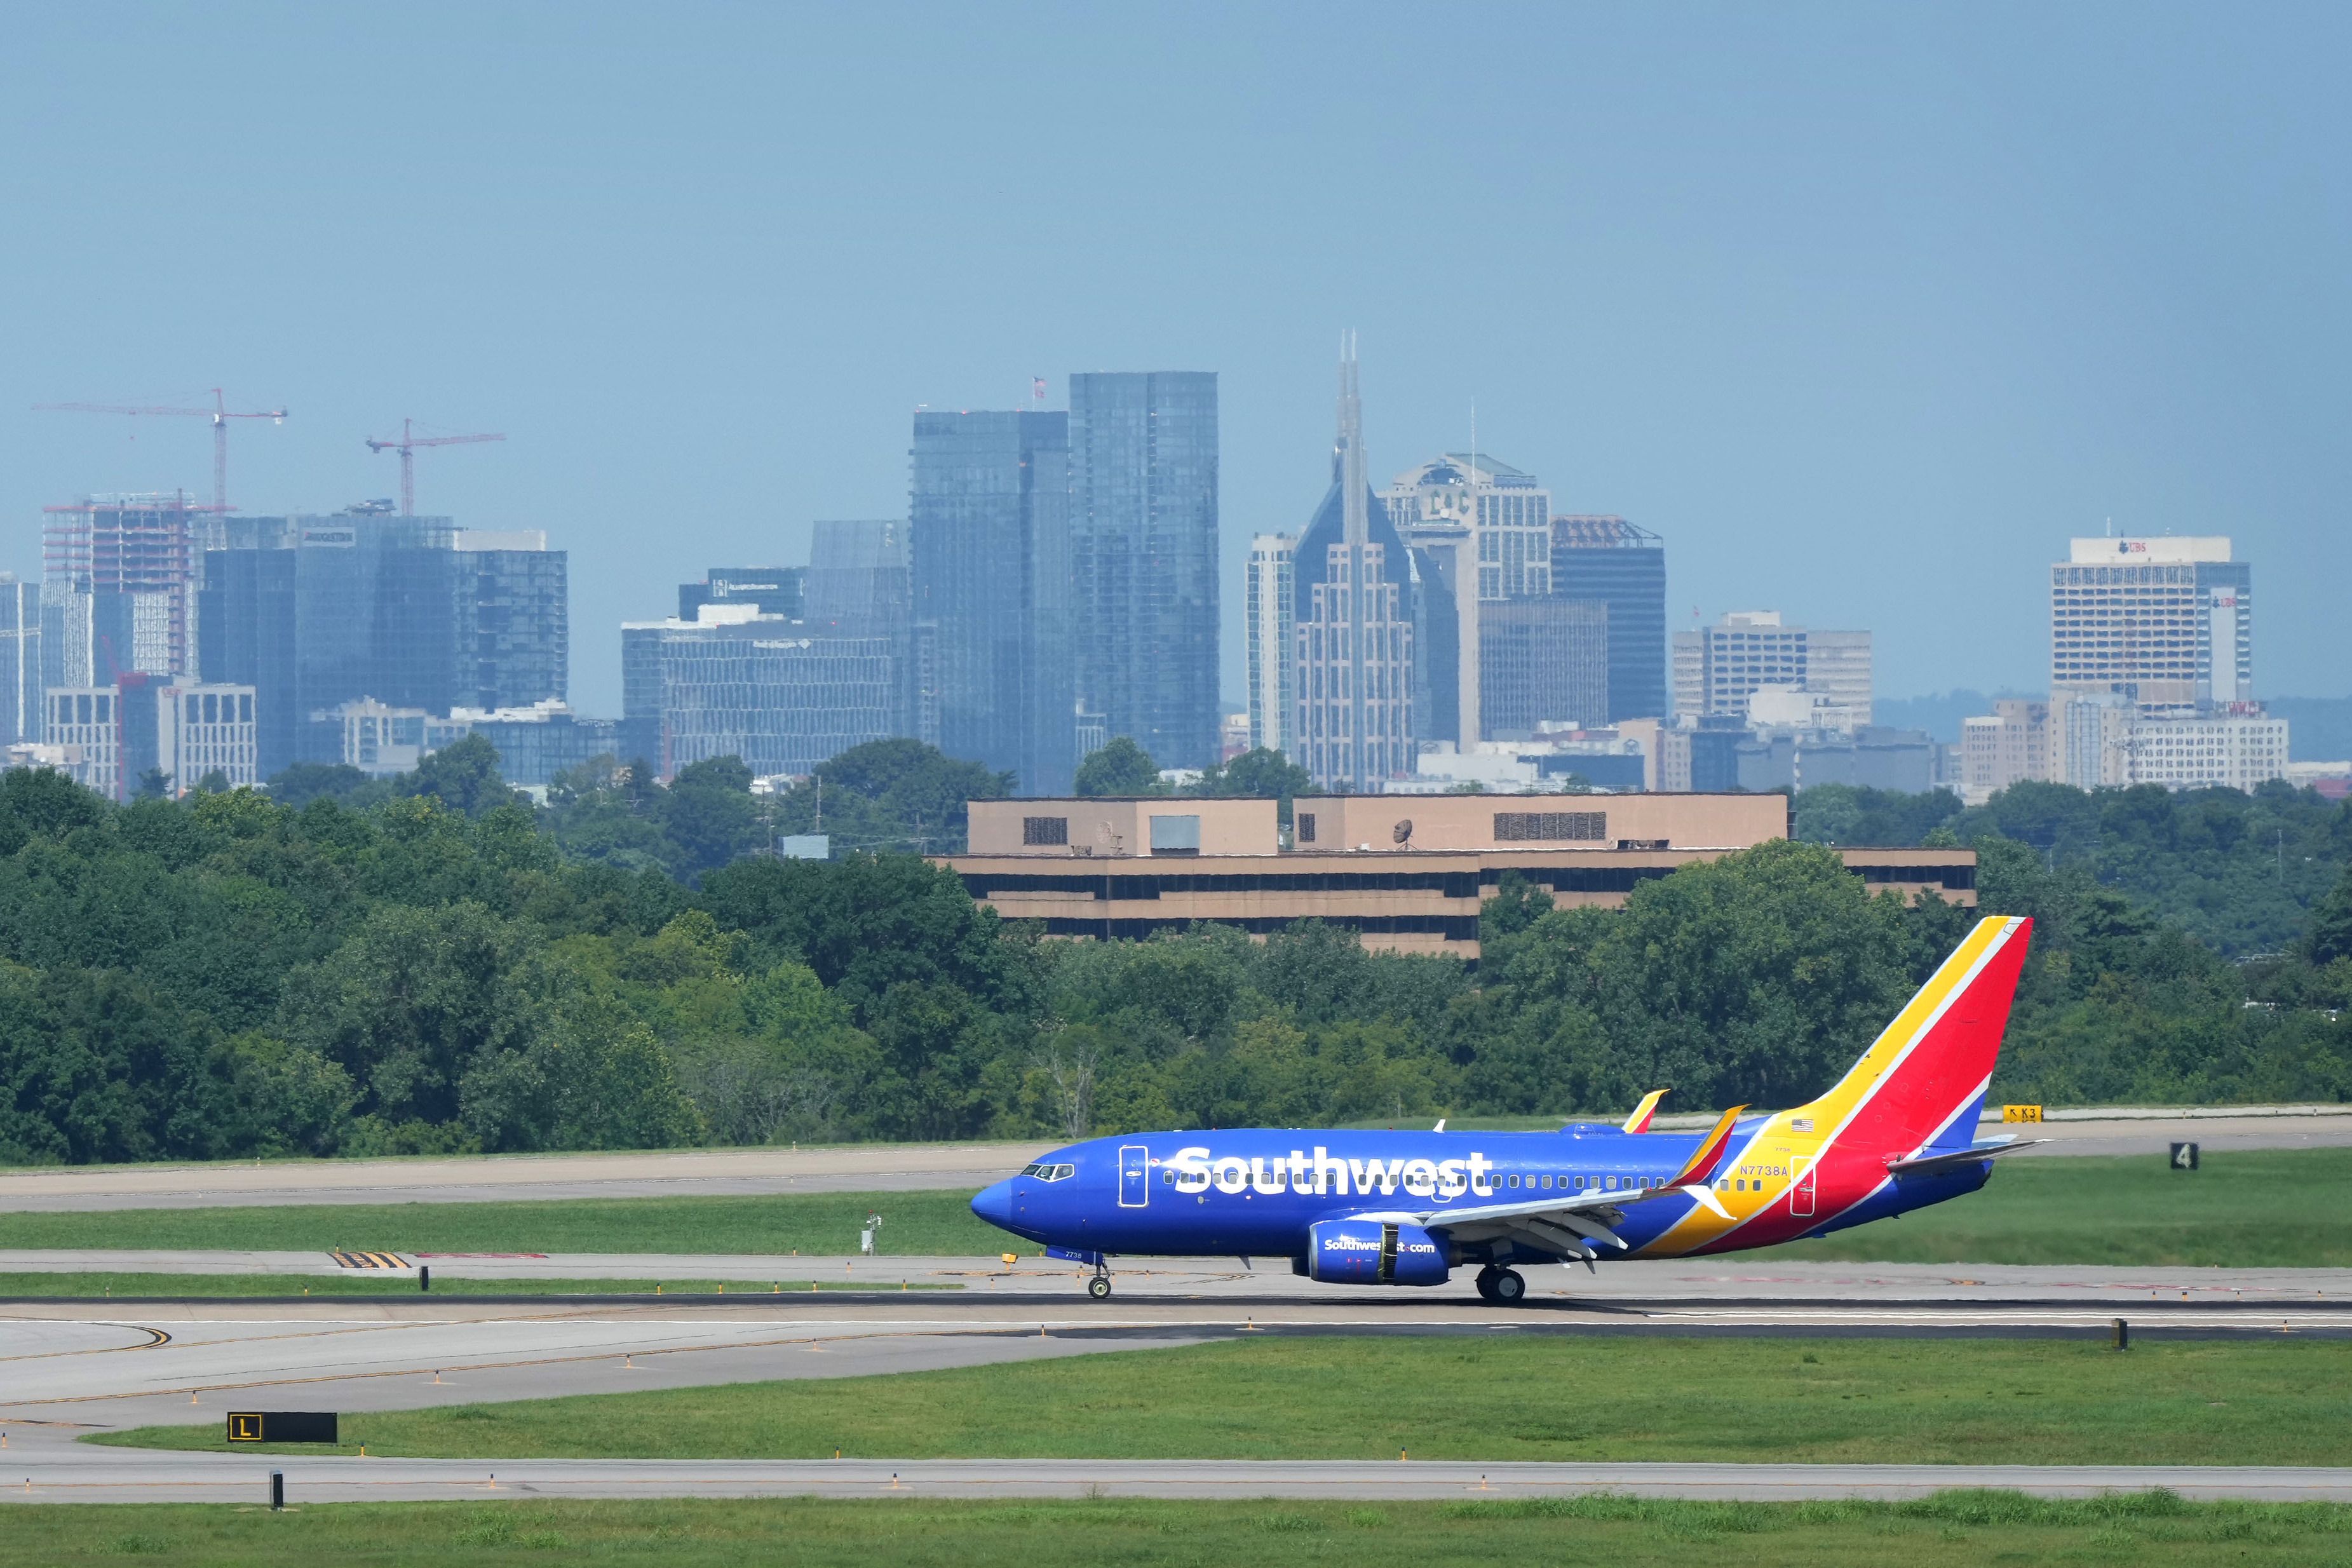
(1256, 1190)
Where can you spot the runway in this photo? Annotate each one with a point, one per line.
(1774, 1275)
(131, 1476)
(914, 1166)
(98, 1364)
(69, 1368)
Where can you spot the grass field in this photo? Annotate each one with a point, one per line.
(2251, 1209)
(369, 1283)
(1929, 1402)
(826, 1224)
(1954, 1530)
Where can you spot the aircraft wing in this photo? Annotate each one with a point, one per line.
(1562, 1223)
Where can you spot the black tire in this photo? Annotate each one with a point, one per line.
(1100, 1287)
(1510, 1289)
(1485, 1283)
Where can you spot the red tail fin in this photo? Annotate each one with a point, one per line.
(1922, 1082)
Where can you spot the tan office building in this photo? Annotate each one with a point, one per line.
(1408, 873)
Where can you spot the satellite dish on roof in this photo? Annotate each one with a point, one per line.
(1402, 831)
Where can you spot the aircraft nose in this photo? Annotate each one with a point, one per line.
(995, 1205)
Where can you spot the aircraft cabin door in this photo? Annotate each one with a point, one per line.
(1801, 1191)
(1134, 1176)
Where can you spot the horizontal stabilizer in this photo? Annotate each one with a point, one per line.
(1927, 1164)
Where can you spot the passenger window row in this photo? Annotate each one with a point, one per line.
(1598, 1183)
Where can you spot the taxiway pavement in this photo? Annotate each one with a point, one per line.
(97, 1364)
(56, 1472)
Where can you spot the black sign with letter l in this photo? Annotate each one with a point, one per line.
(281, 1426)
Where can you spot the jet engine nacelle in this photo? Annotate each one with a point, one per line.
(1366, 1252)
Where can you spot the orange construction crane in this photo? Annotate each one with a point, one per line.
(406, 446)
(219, 414)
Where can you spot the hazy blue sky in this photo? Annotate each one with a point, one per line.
(1865, 308)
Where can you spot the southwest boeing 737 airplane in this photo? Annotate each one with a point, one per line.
(1896, 1134)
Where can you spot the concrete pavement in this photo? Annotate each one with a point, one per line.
(1783, 1274)
(100, 1363)
(53, 1472)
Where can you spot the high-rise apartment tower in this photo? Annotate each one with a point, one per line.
(1270, 624)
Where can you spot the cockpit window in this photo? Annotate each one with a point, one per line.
(1033, 1170)
(1044, 1173)
(1064, 1172)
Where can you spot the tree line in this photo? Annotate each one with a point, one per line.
(434, 963)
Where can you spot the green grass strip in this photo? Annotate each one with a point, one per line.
(823, 1224)
(1953, 1530)
(371, 1284)
(2284, 1402)
(2251, 1209)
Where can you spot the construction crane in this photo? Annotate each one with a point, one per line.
(220, 414)
(406, 446)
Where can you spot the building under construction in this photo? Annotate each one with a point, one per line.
(118, 578)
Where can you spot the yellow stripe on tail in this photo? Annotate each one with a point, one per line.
(1640, 1121)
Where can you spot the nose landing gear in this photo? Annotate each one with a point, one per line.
(1501, 1287)
(1099, 1286)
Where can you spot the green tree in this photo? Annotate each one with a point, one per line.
(1260, 772)
(2330, 935)
(1755, 978)
(463, 776)
(708, 817)
(306, 782)
(409, 1004)
(1120, 768)
(890, 796)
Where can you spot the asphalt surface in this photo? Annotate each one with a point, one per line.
(974, 1283)
(72, 1368)
(908, 1167)
(102, 1364)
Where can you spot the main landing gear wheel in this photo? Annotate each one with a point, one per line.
(1100, 1287)
(1508, 1290)
(1485, 1283)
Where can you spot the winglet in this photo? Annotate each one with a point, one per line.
(1640, 1121)
(1701, 1169)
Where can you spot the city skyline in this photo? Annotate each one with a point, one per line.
(1842, 302)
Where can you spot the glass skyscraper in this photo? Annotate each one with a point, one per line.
(315, 612)
(988, 527)
(1624, 567)
(1143, 554)
(859, 586)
